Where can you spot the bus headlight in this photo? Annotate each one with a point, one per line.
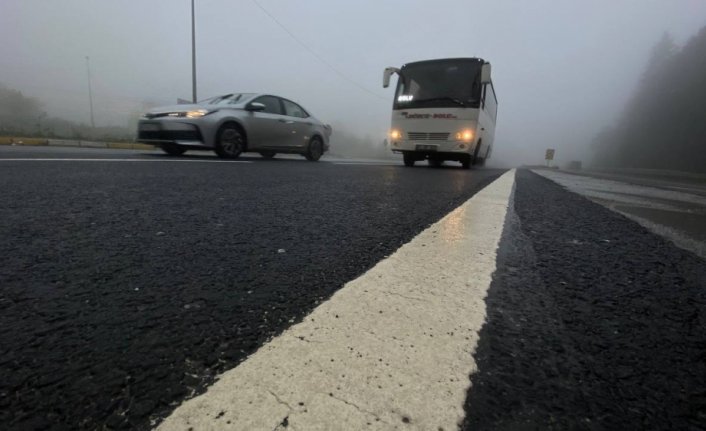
(395, 134)
(465, 135)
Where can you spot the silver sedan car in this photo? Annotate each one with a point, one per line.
(235, 123)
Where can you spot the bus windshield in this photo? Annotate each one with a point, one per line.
(441, 83)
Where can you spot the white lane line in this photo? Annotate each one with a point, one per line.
(391, 349)
(120, 160)
(368, 163)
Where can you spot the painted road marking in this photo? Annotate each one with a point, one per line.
(391, 349)
(121, 160)
(368, 163)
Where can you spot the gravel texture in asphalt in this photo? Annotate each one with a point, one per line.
(593, 323)
(126, 287)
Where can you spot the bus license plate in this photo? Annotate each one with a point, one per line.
(421, 147)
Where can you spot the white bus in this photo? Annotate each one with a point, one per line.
(443, 110)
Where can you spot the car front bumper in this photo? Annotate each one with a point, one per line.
(169, 132)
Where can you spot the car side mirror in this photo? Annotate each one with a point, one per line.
(255, 107)
(485, 74)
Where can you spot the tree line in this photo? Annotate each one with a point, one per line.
(24, 116)
(663, 126)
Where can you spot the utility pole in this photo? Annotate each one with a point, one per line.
(193, 52)
(90, 94)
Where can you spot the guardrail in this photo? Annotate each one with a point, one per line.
(11, 140)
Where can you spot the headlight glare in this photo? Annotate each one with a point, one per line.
(197, 113)
(465, 135)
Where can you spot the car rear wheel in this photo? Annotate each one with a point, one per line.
(315, 150)
(409, 159)
(268, 154)
(230, 141)
(173, 150)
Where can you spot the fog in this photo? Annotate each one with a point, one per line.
(563, 70)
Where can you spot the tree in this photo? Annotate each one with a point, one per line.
(19, 113)
(663, 125)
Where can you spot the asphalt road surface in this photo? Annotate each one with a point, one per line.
(127, 285)
(673, 207)
(593, 322)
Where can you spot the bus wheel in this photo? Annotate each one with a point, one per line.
(409, 159)
(476, 159)
(466, 162)
(482, 161)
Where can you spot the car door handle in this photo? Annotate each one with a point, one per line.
(286, 121)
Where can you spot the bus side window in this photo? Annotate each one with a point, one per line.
(485, 90)
(490, 101)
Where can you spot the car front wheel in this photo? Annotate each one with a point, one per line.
(315, 150)
(173, 150)
(230, 141)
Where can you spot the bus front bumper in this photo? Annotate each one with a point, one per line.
(441, 148)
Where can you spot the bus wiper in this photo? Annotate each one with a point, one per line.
(434, 99)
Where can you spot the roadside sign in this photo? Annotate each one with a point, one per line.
(549, 155)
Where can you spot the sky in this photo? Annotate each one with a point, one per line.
(562, 69)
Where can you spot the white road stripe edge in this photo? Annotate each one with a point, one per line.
(121, 160)
(390, 350)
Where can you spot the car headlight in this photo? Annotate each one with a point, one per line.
(197, 113)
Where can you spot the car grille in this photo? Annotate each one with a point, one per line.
(424, 136)
(170, 135)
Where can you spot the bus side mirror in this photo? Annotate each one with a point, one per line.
(387, 74)
(485, 73)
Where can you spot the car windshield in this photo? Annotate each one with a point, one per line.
(226, 99)
(447, 83)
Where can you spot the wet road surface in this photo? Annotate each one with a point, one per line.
(127, 286)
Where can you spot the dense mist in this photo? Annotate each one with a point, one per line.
(664, 124)
(563, 71)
